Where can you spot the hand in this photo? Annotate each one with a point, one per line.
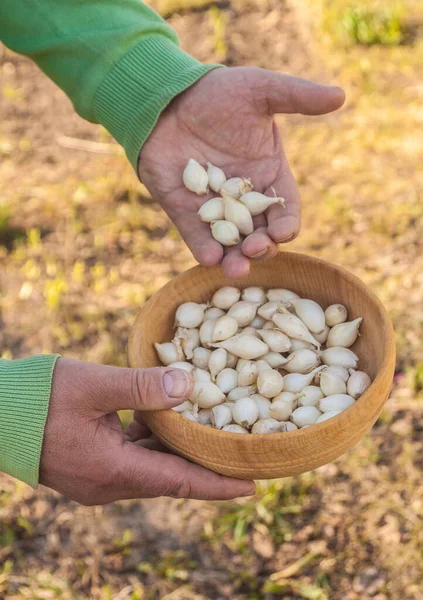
(85, 455)
(227, 118)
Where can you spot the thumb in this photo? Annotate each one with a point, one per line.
(146, 389)
(108, 389)
(278, 93)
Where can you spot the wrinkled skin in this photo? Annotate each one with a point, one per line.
(227, 118)
(86, 455)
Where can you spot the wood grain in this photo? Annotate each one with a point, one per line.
(281, 454)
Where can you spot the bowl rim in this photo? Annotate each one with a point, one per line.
(388, 362)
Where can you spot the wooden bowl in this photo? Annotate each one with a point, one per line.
(279, 454)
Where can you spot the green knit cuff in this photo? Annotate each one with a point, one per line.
(25, 387)
(140, 86)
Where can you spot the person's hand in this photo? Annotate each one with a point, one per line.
(227, 118)
(86, 456)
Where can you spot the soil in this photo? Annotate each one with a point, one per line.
(82, 246)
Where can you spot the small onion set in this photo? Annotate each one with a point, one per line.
(230, 214)
(264, 362)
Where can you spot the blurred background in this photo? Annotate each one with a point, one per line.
(82, 246)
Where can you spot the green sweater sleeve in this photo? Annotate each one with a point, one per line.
(25, 387)
(117, 60)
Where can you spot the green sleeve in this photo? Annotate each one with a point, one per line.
(117, 60)
(25, 387)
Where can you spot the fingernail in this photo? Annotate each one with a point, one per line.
(289, 238)
(261, 253)
(250, 492)
(130, 437)
(176, 383)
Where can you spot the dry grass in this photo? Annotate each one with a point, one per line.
(82, 246)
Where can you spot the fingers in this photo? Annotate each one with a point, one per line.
(150, 474)
(152, 443)
(278, 93)
(283, 225)
(207, 251)
(259, 245)
(198, 238)
(234, 264)
(139, 417)
(284, 222)
(136, 431)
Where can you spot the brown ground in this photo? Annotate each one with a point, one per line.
(82, 246)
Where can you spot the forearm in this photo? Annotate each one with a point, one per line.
(25, 387)
(117, 60)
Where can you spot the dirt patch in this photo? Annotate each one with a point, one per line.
(82, 248)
